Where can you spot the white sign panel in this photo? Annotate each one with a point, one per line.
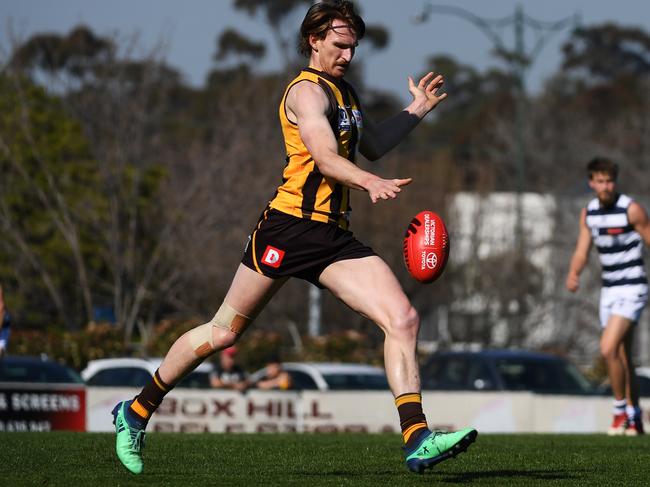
(193, 410)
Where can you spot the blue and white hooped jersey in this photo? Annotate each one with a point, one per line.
(620, 247)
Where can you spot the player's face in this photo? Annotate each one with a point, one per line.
(335, 52)
(604, 187)
(273, 370)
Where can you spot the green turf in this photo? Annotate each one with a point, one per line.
(79, 459)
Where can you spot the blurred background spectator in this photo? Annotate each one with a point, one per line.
(275, 378)
(228, 374)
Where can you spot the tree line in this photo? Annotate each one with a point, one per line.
(127, 195)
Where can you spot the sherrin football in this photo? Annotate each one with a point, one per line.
(426, 246)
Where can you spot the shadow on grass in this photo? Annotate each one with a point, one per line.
(464, 477)
(348, 473)
(468, 477)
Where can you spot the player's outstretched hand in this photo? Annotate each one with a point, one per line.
(383, 189)
(426, 91)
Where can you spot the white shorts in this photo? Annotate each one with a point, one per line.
(625, 301)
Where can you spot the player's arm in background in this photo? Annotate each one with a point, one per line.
(282, 382)
(308, 104)
(216, 382)
(379, 138)
(639, 220)
(580, 255)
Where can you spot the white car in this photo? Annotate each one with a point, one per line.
(329, 376)
(136, 372)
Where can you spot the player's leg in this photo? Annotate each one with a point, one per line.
(248, 294)
(369, 287)
(625, 352)
(611, 345)
(632, 409)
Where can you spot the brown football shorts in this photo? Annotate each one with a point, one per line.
(283, 245)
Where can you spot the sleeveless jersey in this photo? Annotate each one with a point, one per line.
(619, 246)
(305, 192)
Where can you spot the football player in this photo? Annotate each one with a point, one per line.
(304, 233)
(618, 226)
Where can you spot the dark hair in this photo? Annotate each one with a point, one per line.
(602, 165)
(319, 19)
(273, 358)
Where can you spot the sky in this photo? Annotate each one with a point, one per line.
(189, 30)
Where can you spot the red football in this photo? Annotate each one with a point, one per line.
(426, 246)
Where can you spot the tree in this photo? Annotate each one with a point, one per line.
(604, 53)
(48, 187)
(465, 120)
(76, 53)
(231, 42)
(596, 105)
(117, 105)
(607, 70)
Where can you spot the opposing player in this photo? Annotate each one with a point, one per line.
(303, 233)
(618, 226)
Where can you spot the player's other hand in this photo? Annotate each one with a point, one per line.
(384, 189)
(572, 282)
(426, 91)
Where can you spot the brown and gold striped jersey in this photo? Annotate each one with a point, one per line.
(305, 192)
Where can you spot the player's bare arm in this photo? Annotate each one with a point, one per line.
(640, 221)
(380, 138)
(307, 105)
(580, 255)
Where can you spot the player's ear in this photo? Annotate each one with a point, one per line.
(313, 42)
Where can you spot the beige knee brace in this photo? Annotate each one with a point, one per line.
(226, 318)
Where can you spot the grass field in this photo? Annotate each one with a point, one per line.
(81, 459)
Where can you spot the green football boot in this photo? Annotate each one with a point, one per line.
(437, 446)
(129, 441)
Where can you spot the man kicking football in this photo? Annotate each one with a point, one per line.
(304, 233)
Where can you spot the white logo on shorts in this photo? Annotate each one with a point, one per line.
(272, 257)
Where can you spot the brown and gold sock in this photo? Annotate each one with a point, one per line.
(145, 403)
(411, 417)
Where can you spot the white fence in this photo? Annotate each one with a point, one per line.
(265, 411)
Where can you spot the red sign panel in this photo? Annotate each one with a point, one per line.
(42, 407)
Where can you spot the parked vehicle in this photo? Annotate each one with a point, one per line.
(136, 372)
(36, 370)
(323, 376)
(39, 394)
(643, 381)
(503, 370)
